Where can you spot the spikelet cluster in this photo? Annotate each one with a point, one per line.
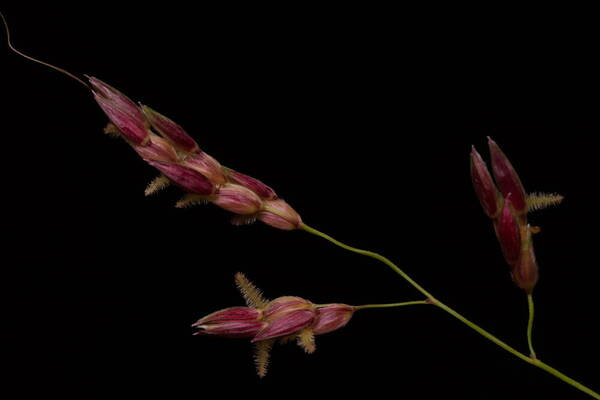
(506, 202)
(166, 146)
(267, 322)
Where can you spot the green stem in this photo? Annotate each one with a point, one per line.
(472, 325)
(368, 254)
(530, 326)
(406, 303)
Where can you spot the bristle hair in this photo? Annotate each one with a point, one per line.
(262, 352)
(111, 130)
(539, 201)
(157, 184)
(306, 340)
(190, 200)
(251, 293)
(239, 220)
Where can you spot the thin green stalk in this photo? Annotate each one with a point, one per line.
(369, 254)
(472, 325)
(406, 303)
(530, 326)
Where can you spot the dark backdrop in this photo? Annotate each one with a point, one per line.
(362, 119)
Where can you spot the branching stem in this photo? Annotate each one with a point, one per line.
(432, 300)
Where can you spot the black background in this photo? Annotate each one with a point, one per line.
(362, 119)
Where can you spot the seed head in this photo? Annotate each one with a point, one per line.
(179, 159)
(283, 319)
(508, 207)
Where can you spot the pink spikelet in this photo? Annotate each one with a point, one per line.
(507, 204)
(279, 214)
(166, 146)
(507, 179)
(170, 131)
(485, 189)
(281, 319)
(187, 179)
(237, 199)
(253, 184)
(130, 125)
(508, 232)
